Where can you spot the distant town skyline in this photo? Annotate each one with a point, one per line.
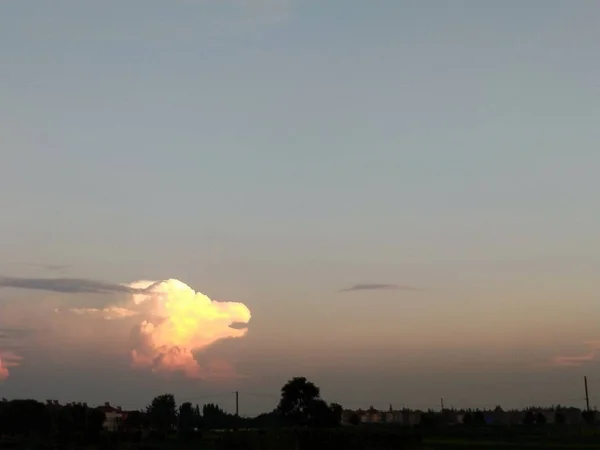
(401, 199)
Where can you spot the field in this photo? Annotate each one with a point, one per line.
(516, 437)
(345, 438)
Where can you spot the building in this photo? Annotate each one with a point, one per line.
(114, 417)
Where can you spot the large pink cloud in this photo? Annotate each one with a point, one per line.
(8, 359)
(171, 323)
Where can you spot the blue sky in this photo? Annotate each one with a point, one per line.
(273, 152)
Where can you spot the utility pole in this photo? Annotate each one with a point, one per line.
(442, 404)
(237, 404)
(587, 395)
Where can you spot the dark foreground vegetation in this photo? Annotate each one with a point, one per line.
(301, 421)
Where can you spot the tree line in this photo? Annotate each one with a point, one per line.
(300, 405)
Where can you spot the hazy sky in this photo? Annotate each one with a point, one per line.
(439, 157)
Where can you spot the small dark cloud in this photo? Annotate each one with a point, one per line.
(239, 325)
(52, 267)
(55, 268)
(10, 333)
(13, 339)
(65, 285)
(380, 287)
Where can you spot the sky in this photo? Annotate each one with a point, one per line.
(399, 196)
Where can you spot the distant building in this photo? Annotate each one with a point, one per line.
(114, 417)
(371, 415)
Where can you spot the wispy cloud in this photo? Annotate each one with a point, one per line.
(579, 360)
(66, 285)
(380, 287)
(11, 333)
(61, 268)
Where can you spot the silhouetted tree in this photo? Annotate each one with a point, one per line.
(187, 420)
(429, 419)
(65, 425)
(560, 418)
(266, 420)
(336, 411)
(162, 413)
(478, 418)
(95, 422)
(588, 417)
(134, 420)
(197, 417)
(529, 418)
(468, 419)
(297, 396)
(25, 417)
(214, 417)
(320, 414)
(354, 419)
(540, 418)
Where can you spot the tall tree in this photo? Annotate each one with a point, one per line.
(95, 422)
(134, 421)
(320, 414)
(24, 417)
(297, 397)
(214, 417)
(187, 421)
(162, 413)
(336, 413)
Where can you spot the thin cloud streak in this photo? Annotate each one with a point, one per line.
(66, 285)
(380, 287)
(61, 268)
(578, 360)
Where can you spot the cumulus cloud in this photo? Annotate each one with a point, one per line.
(172, 323)
(8, 359)
(65, 285)
(109, 313)
(581, 359)
(11, 344)
(379, 287)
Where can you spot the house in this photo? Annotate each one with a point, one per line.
(114, 417)
(410, 417)
(549, 416)
(347, 415)
(371, 415)
(53, 405)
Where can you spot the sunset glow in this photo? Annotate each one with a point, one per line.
(173, 322)
(185, 321)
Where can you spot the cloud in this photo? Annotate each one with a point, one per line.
(51, 267)
(579, 360)
(3, 370)
(379, 287)
(8, 360)
(11, 333)
(109, 313)
(8, 345)
(11, 344)
(65, 285)
(172, 323)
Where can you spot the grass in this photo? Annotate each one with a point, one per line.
(353, 438)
